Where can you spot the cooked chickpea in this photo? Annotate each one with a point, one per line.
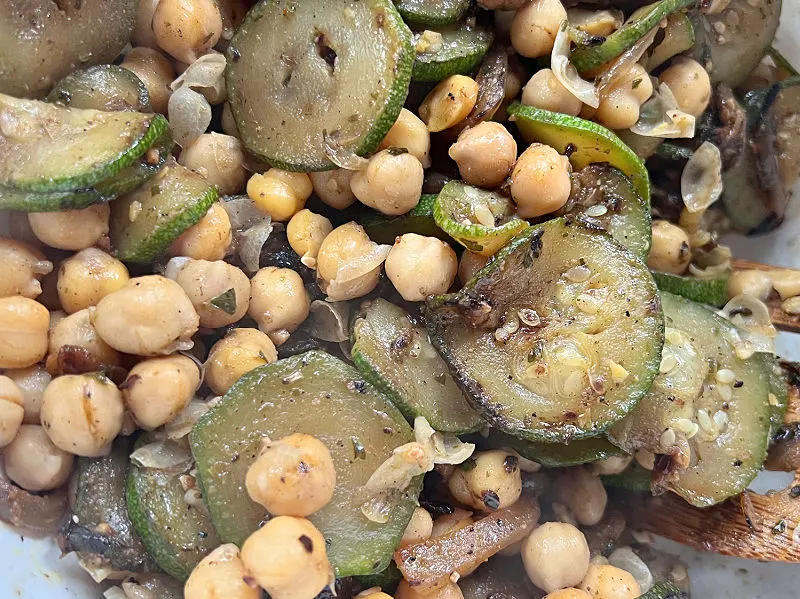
(751, 282)
(449, 102)
(411, 133)
(11, 410)
(23, 266)
(469, 264)
(150, 315)
(540, 181)
(419, 527)
(220, 574)
(34, 463)
(31, 382)
(608, 582)
(220, 159)
(279, 302)
(281, 194)
(142, 34)
(616, 464)
(333, 187)
(447, 523)
(485, 154)
(155, 71)
(689, 83)
(670, 251)
(24, 325)
(293, 476)
(584, 494)
(76, 330)
(209, 239)
(494, 482)
(219, 292)
(556, 556)
(87, 277)
(288, 559)
(240, 351)
(545, 91)
(391, 183)
(596, 22)
(420, 266)
(157, 389)
(570, 593)
(344, 247)
(373, 593)
(448, 590)
(620, 103)
(535, 26)
(71, 229)
(187, 29)
(306, 232)
(786, 282)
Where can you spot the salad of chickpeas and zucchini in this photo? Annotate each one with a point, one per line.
(412, 299)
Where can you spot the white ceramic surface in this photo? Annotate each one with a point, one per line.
(33, 569)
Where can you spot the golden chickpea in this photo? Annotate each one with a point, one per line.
(485, 154)
(209, 239)
(596, 22)
(616, 464)
(786, 282)
(620, 103)
(469, 264)
(220, 159)
(333, 187)
(670, 251)
(34, 463)
(24, 325)
(150, 315)
(155, 71)
(420, 266)
(545, 91)
(293, 476)
(220, 574)
(76, 330)
(757, 283)
(219, 291)
(570, 593)
(391, 183)
(409, 132)
(495, 482)
(240, 351)
(556, 556)
(448, 523)
(689, 83)
(449, 102)
(32, 382)
(143, 34)
(71, 229)
(187, 29)
(279, 302)
(157, 389)
(448, 590)
(287, 558)
(11, 410)
(540, 181)
(419, 528)
(23, 266)
(280, 194)
(584, 494)
(344, 248)
(87, 277)
(306, 232)
(373, 593)
(535, 26)
(608, 582)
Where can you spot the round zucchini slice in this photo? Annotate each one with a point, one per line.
(557, 338)
(432, 13)
(712, 292)
(301, 72)
(557, 455)
(102, 87)
(459, 51)
(419, 220)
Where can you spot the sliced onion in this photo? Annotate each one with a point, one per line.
(38, 515)
(442, 449)
(115, 593)
(137, 591)
(206, 75)
(701, 180)
(567, 74)
(249, 244)
(749, 314)
(661, 117)
(364, 264)
(623, 63)
(182, 424)
(242, 212)
(329, 321)
(709, 272)
(625, 559)
(174, 266)
(189, 115)
(168, 456)
(342, 154)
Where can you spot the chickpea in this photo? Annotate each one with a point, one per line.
(220, 159)
(71, 229)
(447, 523)
(419, 528)
(751, 282)
(448, 590)
(220, 574)
(279, 302)
(34, 463)
(570, 593)
(545, 91)
(409, 132)
(31, 381)
(689, 83)
(449, 102)
(670, 251)
(646, 459)
(333, 187)
(535, 26)
(209, 239)
(343, 248)
(469, 264)
(620, 103)
(239, 352)
(23, 266)
(157, 389)
(391, 183)
(155, 71)
(485, 154)
(608, 582)
(76, 330)
(373, 593)
(205, 281)
(556, 556)
(306, 232)
(150, 315)
(495, 482)
(616, 464)
(540, 181)
(584, 494)
(786, 282)
(187, 29)
(421, 266)
(293, 476)
(11, 410)
(24, 324)
(280, 194)
(87, 277)
(143, 34)
(596, 22)
(287, 558)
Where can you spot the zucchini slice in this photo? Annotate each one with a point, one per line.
(480, 220)
(317, 394)
(432, 12)
(144, 223)
(384, 229)
(394, 354)
(298, 71)
(716, 441)
(557, 455)
(665, 590)
(557, 338)
(102, 87)
(713, 292)
(634, 478)
(584, 141)
(460, 51)
(603, 198)
(678, 37)
(177, 534)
